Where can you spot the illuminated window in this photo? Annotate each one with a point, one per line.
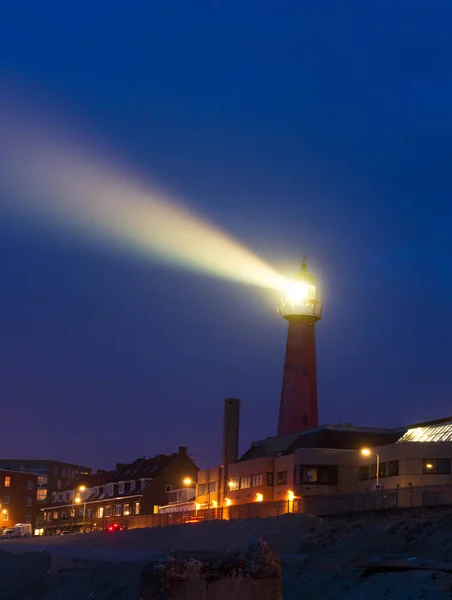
(43, 480)
(108, 511)
(281, 478)
(5, 499)
(41, 494)
(245, 482)
(118, 510)
(55, 515)
(441, 432)
(436, 466)
(309, 475)
(234, 483)
(257, 479)
(137, 508)
(101, 512)
(4, 514)
(203, 489)
(7, 481)
(29, 502)
(126, 510)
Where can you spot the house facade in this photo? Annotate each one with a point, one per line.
(95, 501)
(52, 476)
(17, 498)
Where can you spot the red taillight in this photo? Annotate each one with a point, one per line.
(116, 525)
(110, 528)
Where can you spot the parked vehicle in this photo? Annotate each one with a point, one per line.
(20, 530)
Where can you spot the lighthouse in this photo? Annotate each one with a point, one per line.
(301, 309)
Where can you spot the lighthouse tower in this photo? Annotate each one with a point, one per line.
(301, 309)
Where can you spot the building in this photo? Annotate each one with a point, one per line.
(52, 475)
(138, 488)
(18, 498)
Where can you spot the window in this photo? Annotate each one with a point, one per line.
(46, 516)
(203, 489)
(257, 480)
(245, 482)
(297, 475)
(30, 484)
(126, 510)
(213, 487)
(108, 511)
(43, 480)
(383, 470)
(7, 481)
(63, 472)
(281, 478)
(5, 499)
(234, 483)
(137, 508)
(118, 510)
(363, 473)
(121, 488)
(28, 518)
(393, 468)
(90, 513)
(309, 475)
(269, 478)
(64, 514)
(320, 475)
(55, 471)
(41, 495)
(436, 465)
(4, 514)
(55, 515)
(59, 484)
(29, 502)
(101, 512)
(168, 489)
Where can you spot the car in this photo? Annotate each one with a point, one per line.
(114, 527)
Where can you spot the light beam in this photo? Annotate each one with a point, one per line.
(51, 180)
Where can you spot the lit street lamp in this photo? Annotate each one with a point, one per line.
(188, 481)
(78, 500)
(368, 452)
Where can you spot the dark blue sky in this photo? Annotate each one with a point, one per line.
(317, 127)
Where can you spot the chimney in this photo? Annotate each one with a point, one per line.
(182, 450)
(231, 430)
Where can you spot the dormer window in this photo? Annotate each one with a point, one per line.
(121, 488)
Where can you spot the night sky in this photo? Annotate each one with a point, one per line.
(316, 127)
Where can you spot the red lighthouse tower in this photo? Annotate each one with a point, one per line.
(301, 309)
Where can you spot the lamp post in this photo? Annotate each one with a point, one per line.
(188, 481)
(78, 500)
(368, 452)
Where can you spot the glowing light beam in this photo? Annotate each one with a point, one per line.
(51, 179)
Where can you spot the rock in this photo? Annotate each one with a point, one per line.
(255, 576)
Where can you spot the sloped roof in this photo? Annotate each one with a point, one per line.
(141, 468)
(331, 437)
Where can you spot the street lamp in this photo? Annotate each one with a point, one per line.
(188, 481)
(82, 488)
(368, 452)
(78, 500)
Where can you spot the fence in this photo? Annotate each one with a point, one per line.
(398, 498)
